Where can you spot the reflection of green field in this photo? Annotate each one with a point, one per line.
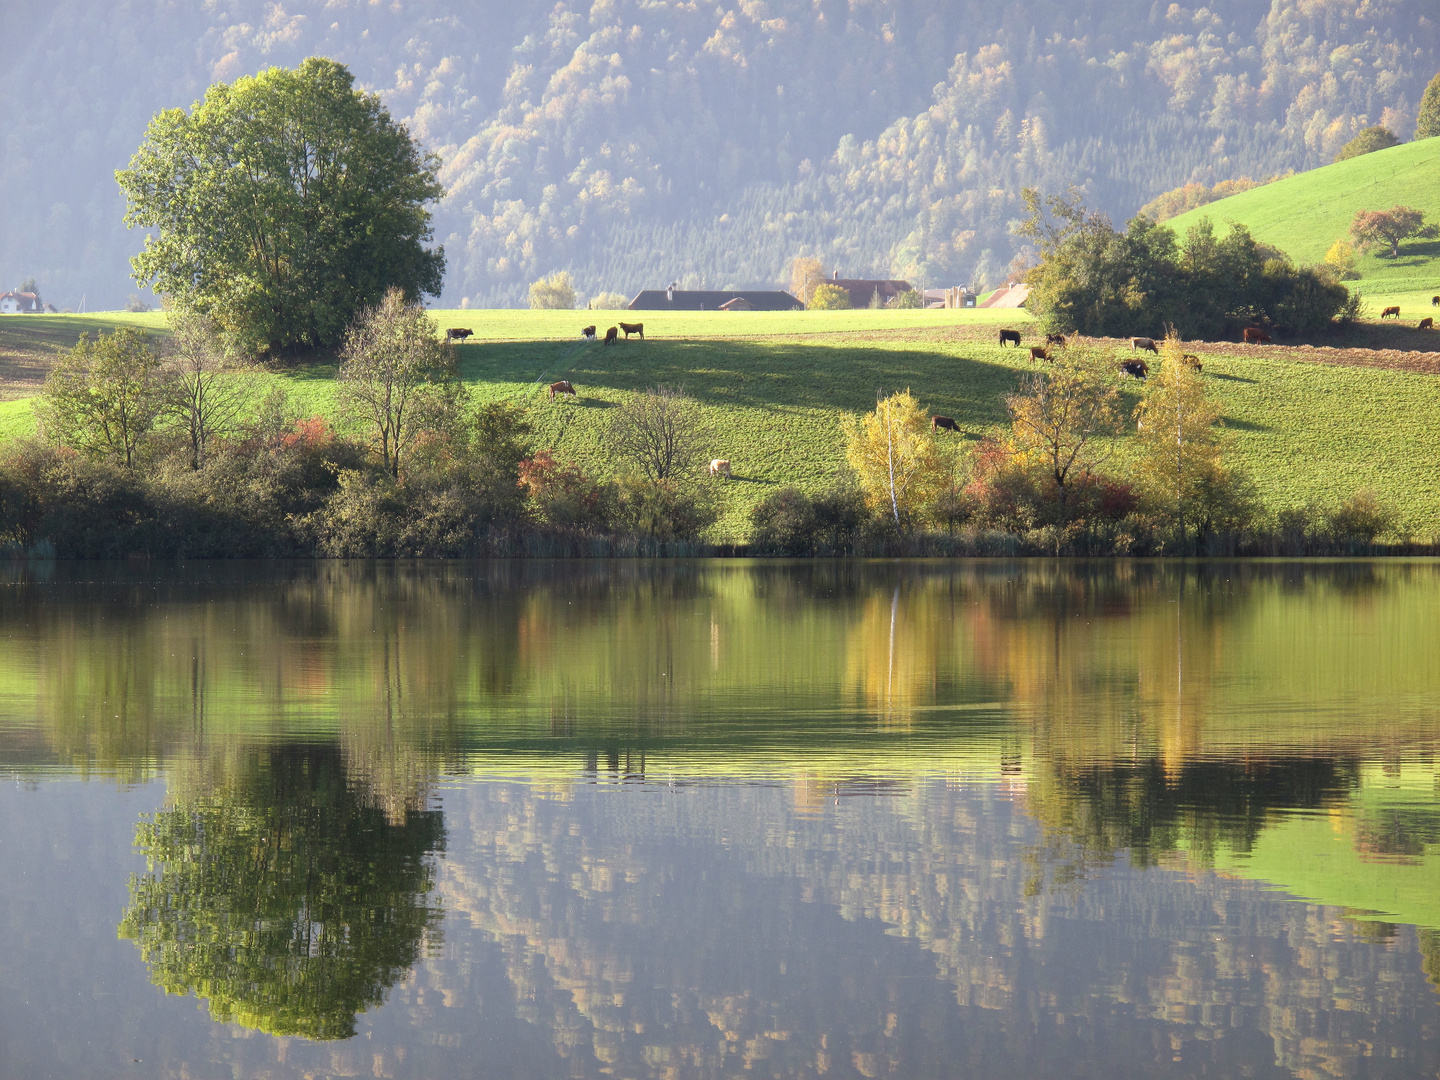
(1322, 857)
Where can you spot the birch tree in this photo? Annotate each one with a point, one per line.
(893, 452)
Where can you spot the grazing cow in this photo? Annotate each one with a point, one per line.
(1390, 313)
(564, 386)
(1136, 369)
(720, 467)
(1191, 360)
(1144, 344)
(1054, 339)
(1012, 336)
(1039, 352)
(588, 333)
(633, 328)
(458, 333)
(611, 336)
(944, 423)
(1435, 301)
(1426, 324)
(1253, 335)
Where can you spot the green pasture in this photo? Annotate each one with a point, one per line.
(1306, 213)
(774, 387)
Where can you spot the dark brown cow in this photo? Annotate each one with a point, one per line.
(1253, 335)
(458, 333)
(633, 328)
(1144, 344)
(944, 423)
(1054, 339)
(1191, 360)
(1136, 369)
(1012, 336)
(1435, 301)
(588, 333)
(1426, 324)
(564, 386)
(1390, 313)
(1039, 352)
(611, 336)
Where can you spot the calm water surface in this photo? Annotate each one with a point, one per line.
(984, 819)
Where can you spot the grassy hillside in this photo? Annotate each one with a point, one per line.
(1306, 213)
(776, 385)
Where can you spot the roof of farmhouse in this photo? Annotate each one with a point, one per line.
(712, 299)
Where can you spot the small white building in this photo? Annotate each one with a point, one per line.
(19, 303)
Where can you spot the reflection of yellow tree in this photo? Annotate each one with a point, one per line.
(894, 649)
(282, 898)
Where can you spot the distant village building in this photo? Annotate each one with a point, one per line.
(20, 303)
(863, 291)
(958, 296)
(1008, 296)
(673, 299)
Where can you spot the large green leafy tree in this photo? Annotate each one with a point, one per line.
(1427, 124)
(283, 899)
(282, 204)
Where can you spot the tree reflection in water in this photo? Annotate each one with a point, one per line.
(285, 898)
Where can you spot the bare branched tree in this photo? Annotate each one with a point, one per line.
(661, 432)
(397, 377)
(210, 381)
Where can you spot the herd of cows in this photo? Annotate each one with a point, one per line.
(1135, 369)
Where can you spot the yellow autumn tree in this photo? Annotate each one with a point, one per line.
(805, 274)
(893, 452)
(1179, 464)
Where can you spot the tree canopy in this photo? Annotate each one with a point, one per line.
(1427, 124)
(1367, 142)
(1103, 282)
(282, 204)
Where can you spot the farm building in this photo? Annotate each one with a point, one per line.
(713, 300)
(22, 303)
(864, 291)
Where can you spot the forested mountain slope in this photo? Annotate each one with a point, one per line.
(638, 141)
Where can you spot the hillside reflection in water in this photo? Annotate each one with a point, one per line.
(1011, 819)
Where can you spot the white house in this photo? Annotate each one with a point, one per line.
(19, 303)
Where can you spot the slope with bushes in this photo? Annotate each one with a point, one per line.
(1303, 215)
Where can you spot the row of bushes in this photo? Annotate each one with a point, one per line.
(837, 523)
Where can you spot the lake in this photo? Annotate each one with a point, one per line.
(1000, 819)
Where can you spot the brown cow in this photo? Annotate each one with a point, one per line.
(564, 386)
(633, 328)
(720, 467)
(1191, 360)
(1435, 301)
(1136, 369)
(1039, 352)
(1391, 313)
(588, 333)
(611, 336)
(1253, 335)
(1012, 336)
(1426, 324)
(1054, 339)
(458, 333)
(944, 423)
(1144, 344)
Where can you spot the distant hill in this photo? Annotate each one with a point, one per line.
(1304, 214)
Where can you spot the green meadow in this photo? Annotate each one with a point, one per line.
(774, 387)
(1304, 214)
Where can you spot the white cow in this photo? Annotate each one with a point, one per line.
(720, 467)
